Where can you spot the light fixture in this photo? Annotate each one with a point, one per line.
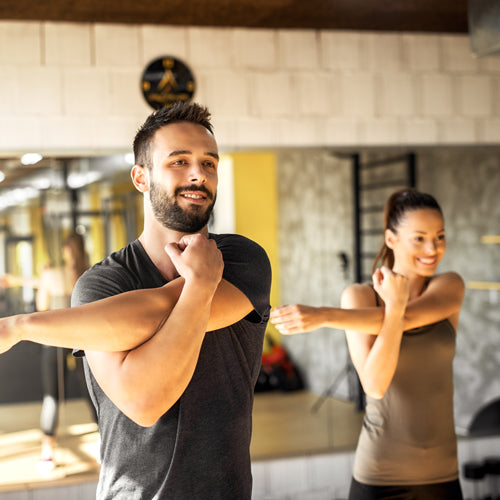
(2, 176)
(129, 159)
(31, 158)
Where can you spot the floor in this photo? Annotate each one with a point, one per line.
(285, 425)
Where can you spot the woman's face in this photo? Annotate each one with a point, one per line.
(419, 242)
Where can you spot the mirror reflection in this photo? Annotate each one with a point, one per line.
(301, 206)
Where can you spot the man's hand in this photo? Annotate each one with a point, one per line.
(197, 258)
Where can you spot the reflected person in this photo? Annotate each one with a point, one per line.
(401, 333)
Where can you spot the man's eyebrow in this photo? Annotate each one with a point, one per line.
(187, 152)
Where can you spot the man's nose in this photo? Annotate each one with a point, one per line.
(197, 172)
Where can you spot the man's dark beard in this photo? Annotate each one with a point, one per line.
(172, 216)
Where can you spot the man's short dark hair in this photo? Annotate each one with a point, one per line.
(178, 112)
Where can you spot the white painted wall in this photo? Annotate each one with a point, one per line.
(75, 87)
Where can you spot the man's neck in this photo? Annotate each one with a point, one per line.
(154, 238)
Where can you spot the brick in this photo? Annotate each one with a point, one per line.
(342, 132)
(158, 41)
(421, 52)
(288, 476)
(8, 89)
(302, 132)
(357, 94)
(226, 92)
(437, 95)
(67, 44)
(475, 95)
(456, 54)
(18, 133)
(20, 43)
(39, 90)
(257, 132)
(382, 52)
(297, 49)
(384, 131)
(489, 131)
(457, 131)
(117, 45)
(255, 49)
(209, 48)
(397, 94)
(69, 132)
(271, 94)
(86, 91)
(419, 131)
(340, 50)
(317, 93)
(125, 93)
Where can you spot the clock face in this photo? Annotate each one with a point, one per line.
(165, 81)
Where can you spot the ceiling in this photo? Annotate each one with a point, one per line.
(448, 16)
(380, 15)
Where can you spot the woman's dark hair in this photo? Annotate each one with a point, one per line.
(76, 244)
(396, 207)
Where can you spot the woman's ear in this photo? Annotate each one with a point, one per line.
(140, 178)
(390, 239)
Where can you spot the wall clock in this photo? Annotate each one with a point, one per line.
(167, 80)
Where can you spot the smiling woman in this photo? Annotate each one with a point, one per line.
(401, 333)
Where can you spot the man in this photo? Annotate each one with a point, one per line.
(175, 409)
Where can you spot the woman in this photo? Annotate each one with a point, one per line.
(401, 338)
(54, 292)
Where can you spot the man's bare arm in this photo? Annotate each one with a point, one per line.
(118, 323)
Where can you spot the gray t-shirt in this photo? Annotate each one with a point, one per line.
(199, 449)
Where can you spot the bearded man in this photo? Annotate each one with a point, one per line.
(171, 329)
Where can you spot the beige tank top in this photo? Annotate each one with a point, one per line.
(408, 436)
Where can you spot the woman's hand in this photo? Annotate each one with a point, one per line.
(296, 318)
(394, 288)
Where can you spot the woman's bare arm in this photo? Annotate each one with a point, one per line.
(375, 357)
(441, 300)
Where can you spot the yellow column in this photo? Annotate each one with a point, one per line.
(256, 209)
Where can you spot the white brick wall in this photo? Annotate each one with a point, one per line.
(76, 87)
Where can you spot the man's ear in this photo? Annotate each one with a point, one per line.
(390, 238)
(140, 178)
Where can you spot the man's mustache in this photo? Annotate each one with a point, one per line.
(194, 187)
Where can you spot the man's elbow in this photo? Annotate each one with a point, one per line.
(374, 390)
(144, 410)
(142, 416)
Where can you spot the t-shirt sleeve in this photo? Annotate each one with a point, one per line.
(98, 283)
(247, 267)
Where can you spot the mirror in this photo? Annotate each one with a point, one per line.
(314, 262)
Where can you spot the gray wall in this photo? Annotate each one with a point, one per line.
(315, 224)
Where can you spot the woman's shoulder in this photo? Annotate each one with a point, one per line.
(359, 295)
(447, 279)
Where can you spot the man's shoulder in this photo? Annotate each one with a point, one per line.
(238, 245)
(118, 272)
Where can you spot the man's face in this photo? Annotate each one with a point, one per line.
(183, 178)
